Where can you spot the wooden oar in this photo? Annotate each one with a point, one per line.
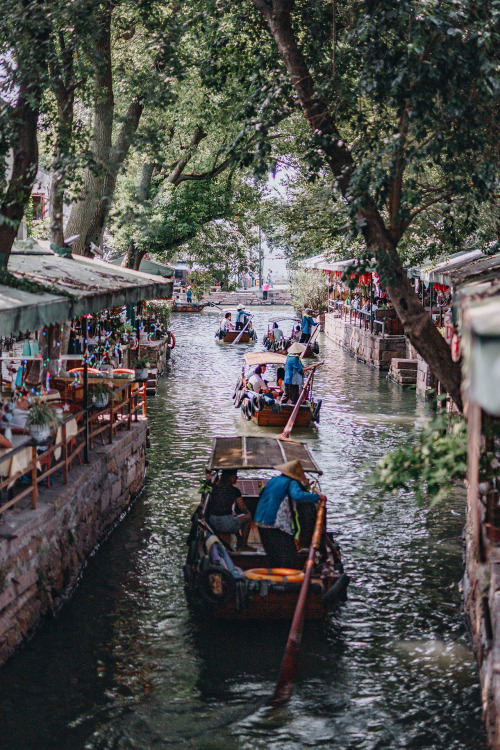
(243, 330)
(289, 425)
(311, 341)
(284, 685)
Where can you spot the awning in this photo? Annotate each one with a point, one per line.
(265, 358)
(258, 453)
(153, 267)
(79, 285)
(323, 264)
(24, 311)
(480, 327)
(459, 268)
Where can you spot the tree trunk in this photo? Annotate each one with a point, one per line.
(83, 212)
(62, 74)
(141, 195)
(24, 169)
(418, 324)
(117, 156)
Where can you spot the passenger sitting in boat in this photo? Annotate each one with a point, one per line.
(259, 385)
(295, 334)
(241, 317)
(219, 510)
(275, 514)
(293, 374)
(225, 324)
(277, 333)
(280, 376)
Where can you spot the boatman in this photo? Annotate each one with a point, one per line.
(275, 514)
(241, 317)
(307, 324)
(189, 294)
(294, 374)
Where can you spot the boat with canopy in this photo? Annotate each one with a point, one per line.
(287, 327)
(225, 582)
(266, 409)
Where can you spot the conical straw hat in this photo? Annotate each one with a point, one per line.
(296, 349)
(292, 469)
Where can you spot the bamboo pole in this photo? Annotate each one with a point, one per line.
(284, 685)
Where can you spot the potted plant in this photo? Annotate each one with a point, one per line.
(41, 421)
(100, 397)
(141, 366)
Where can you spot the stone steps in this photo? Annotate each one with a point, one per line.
(403, 371)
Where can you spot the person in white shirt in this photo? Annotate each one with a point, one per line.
(257, 382)
(225, 324)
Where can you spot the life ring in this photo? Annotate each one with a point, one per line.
(172, 341)
(278, 575)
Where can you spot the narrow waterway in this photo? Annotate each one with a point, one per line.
(124, 665)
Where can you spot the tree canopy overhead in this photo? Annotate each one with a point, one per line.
(387, 112)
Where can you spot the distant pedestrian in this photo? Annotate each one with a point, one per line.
(189, 294)
(265, 290)
(270, 279)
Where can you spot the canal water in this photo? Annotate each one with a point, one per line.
(124, 664)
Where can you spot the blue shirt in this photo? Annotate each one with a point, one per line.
(307, 323)
(273, 495)
(242, 314)
(293, 370)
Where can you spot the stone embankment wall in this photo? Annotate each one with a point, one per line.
(43, 551)
(276, 296)
(369, 347)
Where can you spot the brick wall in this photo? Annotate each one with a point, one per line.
(368, 347)
(43, 551)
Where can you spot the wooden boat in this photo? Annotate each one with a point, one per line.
(265, 410)
(283, 344)
(192, 307)
(228, 337)
(223, 582)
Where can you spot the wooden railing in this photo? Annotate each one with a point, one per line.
(117, 415)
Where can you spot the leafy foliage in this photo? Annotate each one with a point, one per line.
(428, 464)
(309, 288)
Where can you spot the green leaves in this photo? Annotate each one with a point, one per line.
(432, 461)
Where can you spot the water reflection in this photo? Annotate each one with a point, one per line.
(125, 665)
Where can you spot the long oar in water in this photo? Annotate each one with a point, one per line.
(311, 341)
(289, 425)
(284, 685)
(243, 330)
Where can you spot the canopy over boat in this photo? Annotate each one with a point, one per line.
(265, 358)
(284, 317)
(258, 453)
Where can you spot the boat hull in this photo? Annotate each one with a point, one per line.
(232, 335)
(266, 417)
(188, 307)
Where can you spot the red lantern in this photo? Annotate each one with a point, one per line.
(455, 348)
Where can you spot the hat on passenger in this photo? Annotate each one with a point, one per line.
(308, 309)
(240, 307)
(296, 349)
(292, 469)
